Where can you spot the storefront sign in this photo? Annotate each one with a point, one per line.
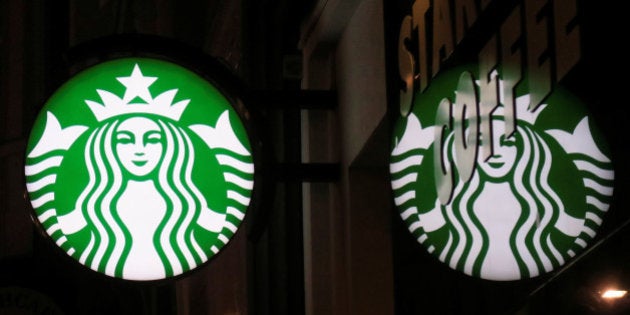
(139, 169)
(504, 193)
(496, 169)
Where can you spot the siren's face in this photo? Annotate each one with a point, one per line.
(139, 145)
(504, 157)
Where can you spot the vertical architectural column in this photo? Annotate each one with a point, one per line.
(15, 230)
(347, 243)
(361, 84)
(13, 60)
(323, 227)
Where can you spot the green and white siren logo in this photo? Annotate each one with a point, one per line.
(139, 169)
(504, 192)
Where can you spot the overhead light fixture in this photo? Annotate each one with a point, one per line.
(614, 294)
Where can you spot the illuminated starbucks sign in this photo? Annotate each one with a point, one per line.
(139, 169)
(495, 185)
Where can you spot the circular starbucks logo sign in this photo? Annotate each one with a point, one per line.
(139, 169)
(499, 188)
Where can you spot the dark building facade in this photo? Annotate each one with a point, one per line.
(325, 83)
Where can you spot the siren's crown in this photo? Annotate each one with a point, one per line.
(137, 87)
(523, 113)
(522, 104)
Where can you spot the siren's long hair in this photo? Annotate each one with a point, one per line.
(539, 207)
(110, 241)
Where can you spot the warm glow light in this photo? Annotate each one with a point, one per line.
(614, 294)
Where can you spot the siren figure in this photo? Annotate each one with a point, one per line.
(504, 215)
(140, 195)
(506, 221)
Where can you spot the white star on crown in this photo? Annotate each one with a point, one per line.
(137, 86)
